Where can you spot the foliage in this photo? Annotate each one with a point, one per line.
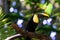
(36, 7)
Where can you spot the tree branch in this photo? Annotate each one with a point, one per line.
(30, 34)
(14, 37)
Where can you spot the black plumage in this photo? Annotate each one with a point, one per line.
(31, 26)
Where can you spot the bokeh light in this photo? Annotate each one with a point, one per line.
(6, 31)
(5, 26)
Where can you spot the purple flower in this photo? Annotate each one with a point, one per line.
(44, 22)
(49, 21)
(11, 9)
(21, 14)
(54, 26)
(19, 23)
(52, 35)
(14, 3)
(42, 1)
(15, 10)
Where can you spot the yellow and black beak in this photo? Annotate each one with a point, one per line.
(43, 15)
(46, 15)
(35, 18)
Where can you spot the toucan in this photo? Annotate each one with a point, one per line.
(33, 22)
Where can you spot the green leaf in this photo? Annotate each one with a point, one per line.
(42, 6)
(49, 8)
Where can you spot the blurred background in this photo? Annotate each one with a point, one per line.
(20, 12)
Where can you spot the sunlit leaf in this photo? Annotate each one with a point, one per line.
(42, 6)
(49, 8)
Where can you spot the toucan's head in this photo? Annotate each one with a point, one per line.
(37, 16)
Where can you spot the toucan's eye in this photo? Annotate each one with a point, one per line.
(35, 18)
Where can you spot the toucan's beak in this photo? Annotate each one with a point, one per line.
(35, 18)
(43, 15)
